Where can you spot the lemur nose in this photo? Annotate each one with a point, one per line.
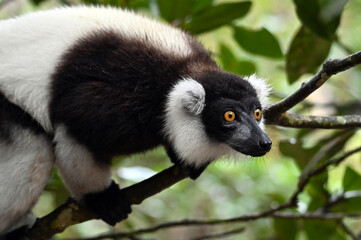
(265, 144)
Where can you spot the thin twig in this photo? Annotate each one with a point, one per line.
(315, 215)
(247, 218)
(220, 235)
(305, 178)
(138, 238)
(348, 231)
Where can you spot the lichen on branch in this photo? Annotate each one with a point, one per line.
(323, 122)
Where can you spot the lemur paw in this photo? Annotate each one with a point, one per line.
(110, 205)
(194, 172)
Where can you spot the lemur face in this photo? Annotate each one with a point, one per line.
(233, 115)
(237, 124)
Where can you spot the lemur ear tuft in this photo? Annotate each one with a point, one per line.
(187, 96)
(193, 101)
(261, 86)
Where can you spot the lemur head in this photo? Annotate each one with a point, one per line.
(217, 114)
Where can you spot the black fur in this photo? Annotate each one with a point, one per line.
(13, 116)
(192, 171)
(110, 93)
(110, 205)
(17, 234)
(232, 93)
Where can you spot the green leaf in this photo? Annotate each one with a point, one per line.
(260, 42)
(320, 229)
(92, 2)
(307, 51)
(347, 205)
(335, 143)
(200, 5)
(285, 229)
(231, 64)
(303, 156)
(297, 152)
(316, 189)
(216, 16)
(135, 4)
(321, 16)
(175, 9)
(351, 180)
(37, 2)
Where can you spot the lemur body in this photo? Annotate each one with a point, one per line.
(80, 85)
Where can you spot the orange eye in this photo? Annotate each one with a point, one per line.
(229, 116)
(257, 114)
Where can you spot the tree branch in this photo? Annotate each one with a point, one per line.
(274, 112)
(71, 213)
(306, 176)
(220, 235)
(332, 122)
(348, 231)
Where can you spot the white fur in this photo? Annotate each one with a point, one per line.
(186, 131)
(25, 166)
(262, 88)
(80, 172)
(32, 45)
(193, 100)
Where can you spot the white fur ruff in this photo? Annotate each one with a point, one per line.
(186, 131)
(263, 90)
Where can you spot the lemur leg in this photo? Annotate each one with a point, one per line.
(26, 160)
(192, 171)
(89, 180)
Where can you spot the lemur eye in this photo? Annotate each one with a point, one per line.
(257, 114)
(229, 116)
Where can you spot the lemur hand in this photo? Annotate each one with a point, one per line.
(110, 205)
(194, 172)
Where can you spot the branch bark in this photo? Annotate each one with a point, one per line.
(323, 122)
(71, 213)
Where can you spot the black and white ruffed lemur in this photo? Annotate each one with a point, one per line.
(79, 85)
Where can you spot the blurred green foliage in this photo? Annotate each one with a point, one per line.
(284, 41)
